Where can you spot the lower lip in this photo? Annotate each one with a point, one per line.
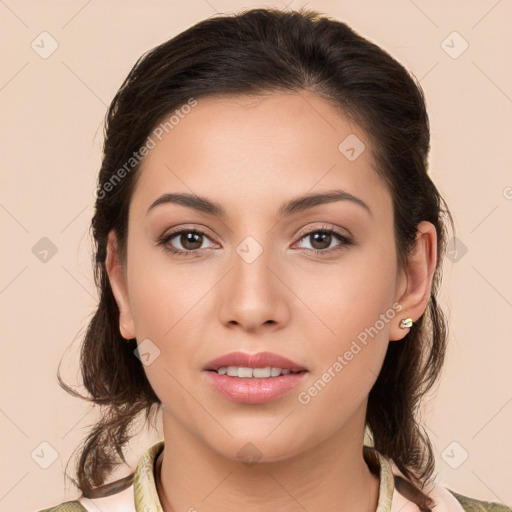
(254, 391)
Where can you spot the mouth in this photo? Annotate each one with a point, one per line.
(253, 378)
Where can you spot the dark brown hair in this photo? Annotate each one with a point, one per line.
(260, 51)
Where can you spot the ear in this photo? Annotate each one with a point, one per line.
(117, 280)
(415, 282)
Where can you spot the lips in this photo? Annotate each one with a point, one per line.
(254, 391)
(259, 360)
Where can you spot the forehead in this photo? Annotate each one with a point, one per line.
(248, 151)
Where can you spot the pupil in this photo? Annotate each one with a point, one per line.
(191, 238)
(322, 237)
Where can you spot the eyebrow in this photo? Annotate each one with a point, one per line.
(295, 205)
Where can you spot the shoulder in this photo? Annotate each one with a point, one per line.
(474, 505)
(445, 499)
(119, 496)
(67, 506)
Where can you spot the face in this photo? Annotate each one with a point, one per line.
(255, 279)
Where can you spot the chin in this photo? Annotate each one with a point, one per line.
(257, 445)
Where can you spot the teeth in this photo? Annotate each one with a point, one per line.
(249, 373)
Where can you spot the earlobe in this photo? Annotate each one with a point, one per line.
(420, 269)
(119, 288)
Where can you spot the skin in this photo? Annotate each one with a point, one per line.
(251, 155)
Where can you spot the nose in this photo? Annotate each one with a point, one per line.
(253, 294)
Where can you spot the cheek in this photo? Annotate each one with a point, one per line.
(346, 296)
(163, 295)
(348, 357)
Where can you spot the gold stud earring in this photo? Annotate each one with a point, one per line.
(406, 323)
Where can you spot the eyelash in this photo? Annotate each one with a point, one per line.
(346, 241)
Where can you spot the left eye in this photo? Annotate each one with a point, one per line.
(322, 239)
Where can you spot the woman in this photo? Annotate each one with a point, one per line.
(269, 250)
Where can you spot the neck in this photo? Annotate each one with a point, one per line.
(331, 476)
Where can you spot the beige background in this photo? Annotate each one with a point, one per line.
(52, 112)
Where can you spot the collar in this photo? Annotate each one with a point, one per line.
(146, 496)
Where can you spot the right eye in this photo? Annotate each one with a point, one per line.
(190, 240)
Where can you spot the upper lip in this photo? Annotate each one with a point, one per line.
(259, 360)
